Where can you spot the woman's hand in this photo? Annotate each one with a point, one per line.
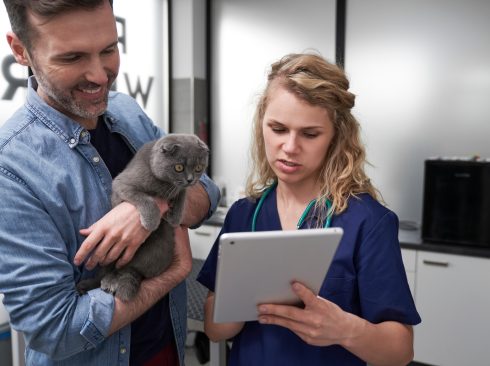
(319, 323)
(323, 323)
(116, 235)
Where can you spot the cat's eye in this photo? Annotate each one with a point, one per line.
(198, 168)
(179, 168)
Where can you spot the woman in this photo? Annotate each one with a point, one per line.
(306, 147)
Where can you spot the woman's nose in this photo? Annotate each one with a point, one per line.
(291, 144)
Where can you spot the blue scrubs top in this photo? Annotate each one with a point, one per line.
(366, 278)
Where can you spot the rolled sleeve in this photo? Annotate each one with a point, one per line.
(100, 310)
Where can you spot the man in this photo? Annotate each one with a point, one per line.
(58, 155)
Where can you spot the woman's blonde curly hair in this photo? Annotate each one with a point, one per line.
(320, 83)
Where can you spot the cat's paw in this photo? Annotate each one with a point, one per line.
(86, 285)
(126, 291)
(150, 222)
(109, 283)
(122, 285)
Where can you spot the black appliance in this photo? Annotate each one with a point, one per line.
(456, 206)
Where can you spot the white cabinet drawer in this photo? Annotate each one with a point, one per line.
(409, 257)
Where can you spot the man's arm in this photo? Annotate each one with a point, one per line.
(196, 207)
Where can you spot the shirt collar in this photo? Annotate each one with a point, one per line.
(70, 131)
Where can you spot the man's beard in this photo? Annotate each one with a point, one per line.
(63, 101)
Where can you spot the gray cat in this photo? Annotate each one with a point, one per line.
(163, 168)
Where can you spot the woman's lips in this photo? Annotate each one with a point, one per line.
(288, 166)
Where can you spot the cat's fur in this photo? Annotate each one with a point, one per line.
(153, 172)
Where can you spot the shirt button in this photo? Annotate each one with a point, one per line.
(72, 140)
(122, 350)
(96, 159)
(83, 134)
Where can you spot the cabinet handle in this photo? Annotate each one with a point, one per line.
(435, 263)
(202, 233)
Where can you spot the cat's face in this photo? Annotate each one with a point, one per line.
(180, 159)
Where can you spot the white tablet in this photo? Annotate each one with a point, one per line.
(259, 267)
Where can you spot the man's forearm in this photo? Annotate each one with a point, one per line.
(196, 205)
(150, 292)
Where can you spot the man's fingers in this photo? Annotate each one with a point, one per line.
(127, 256)
(113, 254)
(162, 205)
(100, 253)
(87, 247)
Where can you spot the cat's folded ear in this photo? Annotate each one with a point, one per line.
(203, 145)
(170, 148)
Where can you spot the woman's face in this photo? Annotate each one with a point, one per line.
(296, 136)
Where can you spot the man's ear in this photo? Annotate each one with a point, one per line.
(18, 49)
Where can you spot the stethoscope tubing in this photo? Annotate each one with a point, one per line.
(303, 216)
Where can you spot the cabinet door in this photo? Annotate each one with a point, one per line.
(409, 257)
(453, 299)
(202, 240)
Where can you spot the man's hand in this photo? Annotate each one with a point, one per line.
(116, 235)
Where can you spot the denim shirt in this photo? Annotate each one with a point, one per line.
(53, 183)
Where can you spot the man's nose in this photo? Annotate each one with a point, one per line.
(96, 72)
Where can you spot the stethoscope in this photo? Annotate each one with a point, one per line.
(303, 216)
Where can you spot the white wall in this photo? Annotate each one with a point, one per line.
(146, 57)
(420, 70)
(421, 73)
(248, 37)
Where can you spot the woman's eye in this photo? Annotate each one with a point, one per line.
(310, 135)
(179, 168)
(278, 129)
(198, 168)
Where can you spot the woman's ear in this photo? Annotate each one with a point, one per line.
(18, 49)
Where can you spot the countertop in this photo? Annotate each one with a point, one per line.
(409, 239)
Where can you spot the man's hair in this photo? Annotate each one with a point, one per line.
(17, 12)
(314, 80)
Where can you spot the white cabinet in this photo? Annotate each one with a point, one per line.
(202, 240)
(409, 257)
(453, 299)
